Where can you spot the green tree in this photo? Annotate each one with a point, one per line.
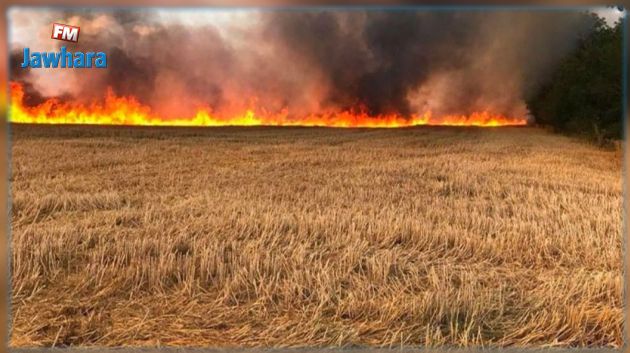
(583, 96)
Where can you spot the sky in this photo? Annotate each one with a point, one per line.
(610, 14)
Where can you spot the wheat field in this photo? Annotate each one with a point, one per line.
(287, 237)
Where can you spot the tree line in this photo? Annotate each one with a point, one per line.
(583, 96)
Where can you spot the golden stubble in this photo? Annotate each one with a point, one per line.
(314, 237)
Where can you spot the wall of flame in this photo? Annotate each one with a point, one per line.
(119, 110)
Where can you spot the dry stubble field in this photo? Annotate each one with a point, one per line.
(314, 237)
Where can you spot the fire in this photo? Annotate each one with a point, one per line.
(116, 110)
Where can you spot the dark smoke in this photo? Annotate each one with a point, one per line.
(381, 61)
(31, 94)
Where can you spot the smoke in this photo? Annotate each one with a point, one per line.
(305, 61)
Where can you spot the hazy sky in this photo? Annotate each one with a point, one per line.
(611, 15)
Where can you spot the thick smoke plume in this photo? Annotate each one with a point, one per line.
(307, 61)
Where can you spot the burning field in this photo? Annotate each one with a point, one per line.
(293, 68)
(287, 236)
(128, 111)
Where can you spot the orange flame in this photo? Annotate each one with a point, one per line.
(116, 110)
